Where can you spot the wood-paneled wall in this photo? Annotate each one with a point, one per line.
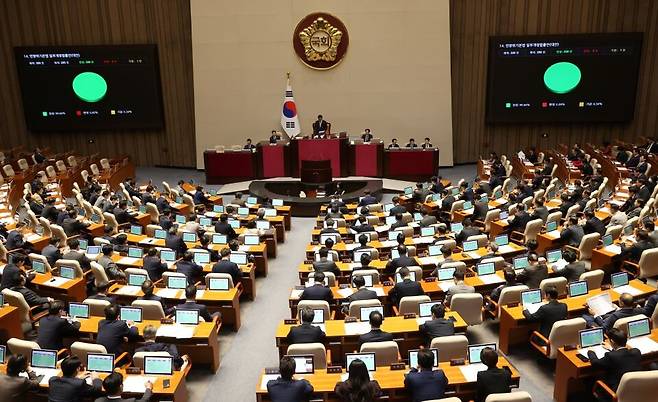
(473, 21)
(166, 23)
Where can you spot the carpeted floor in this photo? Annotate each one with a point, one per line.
(245, 353)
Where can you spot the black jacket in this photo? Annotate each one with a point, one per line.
(532, 275)
(405, 288)
(111, 334)
(203, 310)
(519, 222)
(190, 269)
(306, 333)
(226, 229)
(11, 276)
(14, 240)
(480, 210)
(362, 294)
(53, 329)
(176, 243)
(436, 328)
(147, 395)
(572, 235)
(573, 271)
(73, 226)
(547, 315)
(616, 363)
(154, 267)
(594, 225)
(635, 251)
(466, 233)
(493, 381)
(375, 335)
(402, 261)
(426, 384)
(31, 297)
(52, 254)
(165, 222)
(68, 389)
(317, 292)
(121, 215)
(228, 267)
(280, 390)
(326, 266)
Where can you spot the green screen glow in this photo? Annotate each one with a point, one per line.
(562, 77)
(89, 87)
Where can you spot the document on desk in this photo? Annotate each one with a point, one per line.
(559, 265)
(553, 234)
(424, 240)
(613, 248)
(169, 293)
(56, 281)
(200, 293)
(296, 293)
(32, 237)
(430, 260)
(128, 261)
(136, 383)
(627, 289)
(389, 243)
(474, 255)
(491, 279)
(267, 378)
(445, 285)
(321, 326)
(532, 308)
(470, 371)
(45, 372)
(177, 331)
(244, 249)
(506, 249)
(378, 290)
(357, 328)
(600, 304)
(423, 320)
(128, 290)
(645, 344)
(598, 350)
(346, 292)
(381, 228)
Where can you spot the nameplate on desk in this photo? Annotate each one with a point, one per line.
(334, 369)
(349, 241)
(387, 283)
(457, 362)
(430, 279)
(398, 366)
(350, 319)
(166, 320)
(308, 262)
(273, 370)
(513, 305)
(570, 347)
(290, 321)
(409, 316)
(133, 370)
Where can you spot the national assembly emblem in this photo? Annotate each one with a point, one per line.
(320, 41)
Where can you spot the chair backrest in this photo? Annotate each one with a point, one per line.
(418, 271)
(188, 200)
(571, 211)
(111, 221)
(152, 210)
(492, 216)
(61, 167)
(151, 309)
(17, 300)
(314, 305)
(457, 206)
(510, 294)
(317, 350)
(560, 283)
(105, 164)
(564, 332)
(451, 399)
(94, 169)
(167, 274)
(214, 275)
(50, 171)
(482, 239)
(638, 386)
(150, 230)
(614, 231)
(100, 276)
(507, 185)
(469, 306)
(99, 241)
(409, 304)
(532, 229)
(587, 244)
(42, 259)
(649, 263)
(9, 171)
(138, 357)
(376, 207)
(448, 242)
(385, 352)
(451, 347)
(137, 271)
(457, 264)
(71, 263)
(136, 202)
(72, 161)
(368, 272)
(622, 323)
(632, 222)
(518, 396)
(82, 349)
(593, 278)
(20, 346)
(355, 306)
(499, 262)
(23, 165)
(97, 307)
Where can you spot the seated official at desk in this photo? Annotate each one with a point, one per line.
(358, 386)
(150, 345)
(317, 291)
(423, 382)
(427, 144)
(69, 387)
(226, 266)
(191, 304)
(438, 326)
(113, 385)
(153, 264)
(411, 144)
(402, 261)
(573, 233)
(510, 280)
(467, 231)
(321, 127)
(399, 222)
(493, 380)
(534, 273)
(112, 332)
(74, 253)
(147, 288)
(249, 145)
(175, 242)
(548, 314)
(53, 328)
(223, 227)
(406, 287)
(394, 144)
(274, 137)
(573, 269)
(13, 388)
(189, 268)
(376, 334)
(362, 226)
(287, 389)
(32, 298)
(368, 199)
(626, 309)
(101, 293)
(367, 135)
(307, 332)
(618, 361)
(325, 265)
(109, 266)
(333, 213)
(458, 287)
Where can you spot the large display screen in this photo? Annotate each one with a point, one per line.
(563, 78)
(80, 88)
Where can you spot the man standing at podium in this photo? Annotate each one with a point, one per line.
(321, 127)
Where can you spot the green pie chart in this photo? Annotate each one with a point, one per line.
(89, 86)
(562, 77)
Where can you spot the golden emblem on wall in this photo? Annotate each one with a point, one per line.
(320, 40)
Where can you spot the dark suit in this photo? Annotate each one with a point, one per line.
(14, 389)
(367, 200)
(11, 276)
(306, 333)
(326, 266)
(320, 127)
(426, 384)
(165, 222)
(161, 203)
(31, 297)
(532, 275)
(200, 198)
(50, 212)
(650, 305)
(608, 321)
(363, 228)
(68, 389)
(480, 210)
(281, 390)
(519, 222)
(85, 263)
(547, 315)
(317, 292)
(14, 240)
(466, 233)
(446, 203)
(492, 381)
(154, 267)
(162, 347)
(375, 335)
(436, 328)
(175, 243)
(203, 310)
(53, 329)
(594, 225)
(573, 271)
(121, 215)
(190, 269)
(616, 363)
(540, 213)
(361, 294)
(398, 209)
(402, 261)
(228, 267)
(51, 253)
(405, 288)
(225, 229)
(111, 334)
(635, 251)
(572, 235)
(428, 220)
(144, 398)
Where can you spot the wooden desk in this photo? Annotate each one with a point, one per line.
(10, 323)
(514, 329)
(340, 342)
(203, 347)
(571, 372)
(73, 290)
(391, 382)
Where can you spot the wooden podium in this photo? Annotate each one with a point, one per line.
(316, 172)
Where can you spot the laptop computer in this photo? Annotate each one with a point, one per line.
(470, 245)
(135, 252)
(425, 308)
(486, 268)
(364, 312)
(269, 212)
(189, 237)
(158, 365)
(408, 190)
(367, 358)
(252, 200)
(303, 364)
(532, 296)
(456, 227)
(413, 357)
(234, 223)
(136, 230)
(445, 274)
(78, 310)
(398, 277)
(180, 219)
(551, 226)
(238, 258)
(168, 255)
(204, 221)
(277, 202)
(160, 234)
(388, 207)
(553, 255)
(607, 240)
(263, 225)
(389, 220)
(187, 317)
(100, 362)
(67, 272)
(218, 209)
(130, 314)
(333, 236)
(251, 240)
(218, 238)
(176, 282)
(39, 267)
(638, 328)
(619, 279)
(3, 353)
(427, 231)
(434, 250)
(243, 211)
(474, 351)
(502, 240)
(201, 258)
(44, 362)
(136, 279)
(83, 244)
(220, 284)
(578, 288)
(468, 205)
(521, 262)
(93, 250)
